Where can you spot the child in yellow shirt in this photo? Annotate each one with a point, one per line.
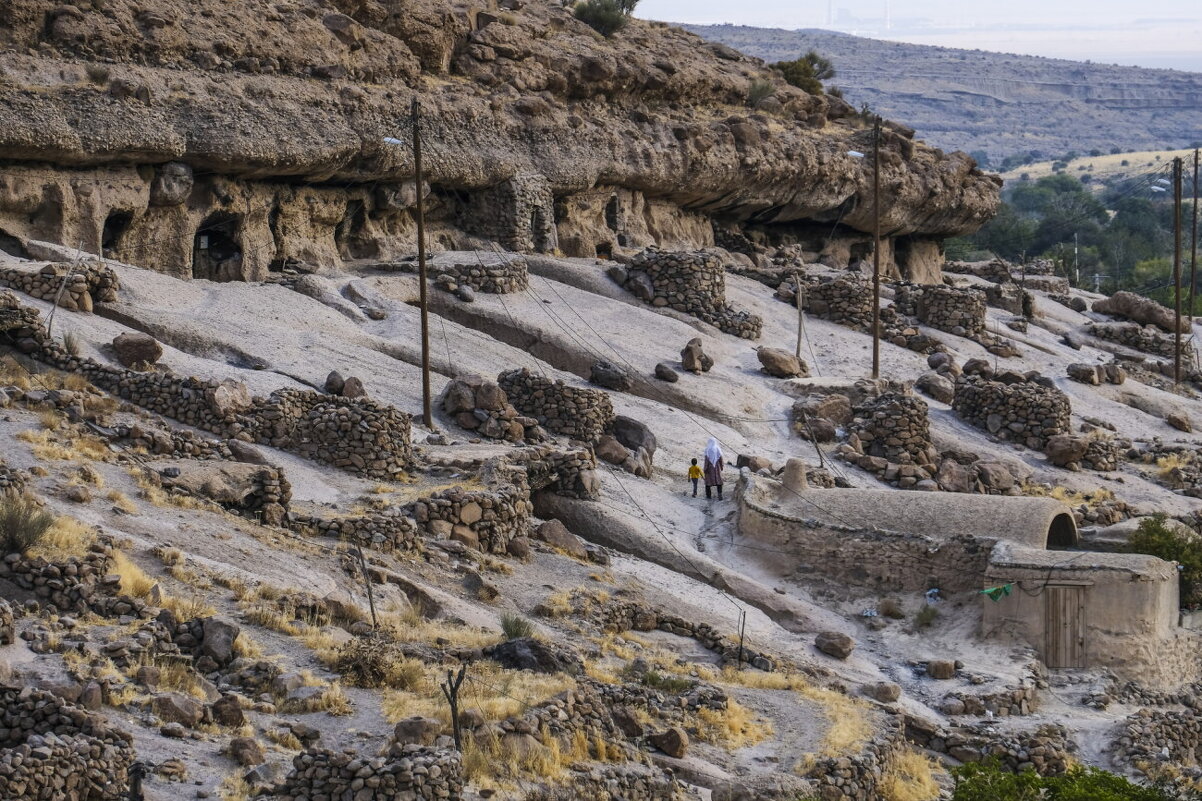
(694, 476)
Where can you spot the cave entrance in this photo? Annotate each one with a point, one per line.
(12, 246)
(217, 248)
(115, 226)
(605, 250)
(350, 237)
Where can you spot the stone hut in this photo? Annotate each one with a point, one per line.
(518, 213)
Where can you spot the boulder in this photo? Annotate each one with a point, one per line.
(526, 653)
(172, 184)
(781, 364)
(416, 730)
(458, 397)
(884, 691)
(936, 386)
(247, 751)
(490, 397)
(673, 741)
(634, 434)
(628, 722)
(1139, 309)
(134, 349)
(834, 643)
(1085, 373)
(353, 388)
(995, 475)
(229, 398)
(245, 452)
(228, 712)
(178, 708)
(218, 642)
(693, 358)
(334, 383)
(556, 534)
(1180, 421)
(978, 367)
(608, 449)
(941, 669)
(664, 372)
(1065, 449)
(519, 548)
(611, 376)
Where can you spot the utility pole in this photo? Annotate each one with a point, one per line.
(1076, 262)
(876, 250)
(427, 409)
(1193, 247)
(1177, 270)
(800, 320)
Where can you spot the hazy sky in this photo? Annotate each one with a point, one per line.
(1153, 33)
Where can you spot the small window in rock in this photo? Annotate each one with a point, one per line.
(605, 250)
(217, 249)
(115, 226)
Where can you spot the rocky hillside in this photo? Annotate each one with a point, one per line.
(999, 104)
(276, 131)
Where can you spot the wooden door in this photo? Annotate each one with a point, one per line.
(1065, 627)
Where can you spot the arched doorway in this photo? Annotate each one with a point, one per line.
(217, 248)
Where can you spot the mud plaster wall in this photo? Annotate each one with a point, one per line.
(1130, 615)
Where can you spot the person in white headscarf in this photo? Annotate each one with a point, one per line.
(713, 468)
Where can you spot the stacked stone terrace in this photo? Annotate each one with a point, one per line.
(693, 283)
(90, 283)
(577, 412)
(1025, 412)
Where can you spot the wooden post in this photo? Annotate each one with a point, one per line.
(450, 689)
(371, 600)
(800, 321)
(427, 408)
(876, 250)
(1177, 270)
(1193, 247)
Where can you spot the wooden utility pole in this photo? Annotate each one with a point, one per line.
(876, 249)
(1193, 247)
(800, 320)
(1177, 270)
(427, 409)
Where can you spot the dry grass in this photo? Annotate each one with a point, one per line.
(168, 556)
(174, 676)
(849, 726)
(759, 680)
(1068, 496)
(45, 448)
(50, 420)
(246, 647)
(122, 502)
(495, 693)
(12, 374)
(134, 580)
(234, 788)
(158, 497)
(285, 739)
(733, 728)
(1165, 465)
(910, 777)
(65, 538)
(189, 608)
(407, 625)
(333, 700)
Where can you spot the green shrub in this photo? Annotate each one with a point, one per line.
(925, 616)
(606, 17)
(808, 72)
(671, 684)
(1155, 538)
(23, 523)
(989, 781)
(759, 91)
(515, 627)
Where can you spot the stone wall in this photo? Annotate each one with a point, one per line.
(957, 311)
(388, 530)
(73, 585)
(857, 777)
(997, 270)
(1026, 412)
(576, 412)
(411, 772)
(51, 750)
(894, 425)
(1146, 734)
(497, 274)
(1010, 297)
(91, 282)
(484, 520)
(10, 478)
(519, 214)
(619, 783)
(481, 406)
(358, 434)
(690, 282)
(1146, 338)
(844, 300)
(572, 473)
(620, 616)
(1047, 750)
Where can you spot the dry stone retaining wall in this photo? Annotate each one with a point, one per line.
(51, 750)
(90, 283)
(487, 519)
(518, 213)
(1025, 412)
(570, 473)
(384, 531)
(957, 311)
(619, 616)
(576, 412)
(490, 274)
(72, 585)
(1047, 750)
(1146, 338)
(358, 434)
(857, 777)
(693, 283)
(410, 772)
(893, 425)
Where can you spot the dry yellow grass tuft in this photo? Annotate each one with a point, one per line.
(734, 727)
(65, 538)
(1068, 496)
(121, 501)
(849, 726)
(50, 420)
(234, 788)
(1165, 465)
(490, 690)
(45, 448)
(189, 608)
(134, 580)
(13, 374)
(285, 739)
(910, 777)
(407, 625)
(759, 680)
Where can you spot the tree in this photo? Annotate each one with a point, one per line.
(808, 72)
(989, 781)
(606, 17)
(1154, 537)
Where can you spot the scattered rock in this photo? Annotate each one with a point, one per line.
(1180, 421)
(673, 741)
(884, 691)
(247, 751)
(526, 653)
(936, 386)
(178, 708)
(781, 364)
(941, 669)
(664, 372)
(218, 642)
(609, 375)
(556, 534)
(693, 358)
(134, 349)
(834, 643)
(334, 383)
(419, 730)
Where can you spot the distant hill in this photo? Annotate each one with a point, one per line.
(995, 103)
(1101, 171)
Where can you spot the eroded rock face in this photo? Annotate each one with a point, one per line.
(160, 155)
